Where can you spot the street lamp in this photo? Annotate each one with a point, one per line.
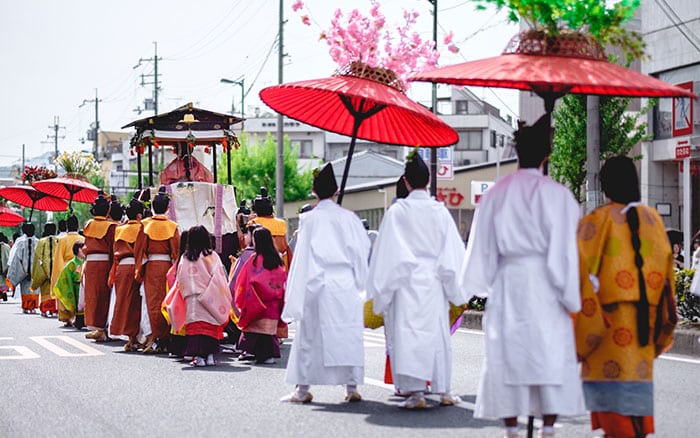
(233, 105)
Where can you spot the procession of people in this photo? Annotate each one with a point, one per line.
(559, 292)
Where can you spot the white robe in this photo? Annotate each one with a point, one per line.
(522, 253)
(413, 276)
(324, 297)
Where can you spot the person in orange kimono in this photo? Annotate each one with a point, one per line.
(126, 319)
(98, 250)
(628, 311)
(262, 209)
(159, 244)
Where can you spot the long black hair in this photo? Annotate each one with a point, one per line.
(198, 243)
(620, 182)
(264, 246)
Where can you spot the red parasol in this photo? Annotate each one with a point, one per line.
(9, 218)
(572, 63)
(28, 196)
(360, 102)
(73, 189)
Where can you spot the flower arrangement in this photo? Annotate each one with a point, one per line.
(366, 39)
(596, 18)
(32, 174)
(77, 164)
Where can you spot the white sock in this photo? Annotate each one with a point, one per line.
(511, 430)
(302, 390)
(350, 389)
(548, 429)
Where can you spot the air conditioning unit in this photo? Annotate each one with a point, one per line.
(466, 162)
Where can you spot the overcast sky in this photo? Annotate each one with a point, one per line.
(56, 53)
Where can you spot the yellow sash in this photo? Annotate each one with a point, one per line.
(160, 228)
(97, 227)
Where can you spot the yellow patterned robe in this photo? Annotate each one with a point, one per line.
(606, 328)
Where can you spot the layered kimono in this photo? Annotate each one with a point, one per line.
(197, 282)
(616, 369)
(20, 270)
(413, 276)
(41, 275)
(67, 288)
(61, 256)
(99, 254)
(522, 253)
(175, 171)
(126, 319)
(259, 298)
(278, 229)
(159, 244)
(324, 295)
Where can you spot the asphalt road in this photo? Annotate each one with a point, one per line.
(54, 382)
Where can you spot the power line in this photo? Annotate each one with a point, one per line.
(677, 23)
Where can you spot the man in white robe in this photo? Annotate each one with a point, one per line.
(324, 297)
(522, 253)
(413, 276)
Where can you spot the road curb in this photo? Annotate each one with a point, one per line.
(685, 340)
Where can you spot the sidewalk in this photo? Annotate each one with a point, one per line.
(685, 338)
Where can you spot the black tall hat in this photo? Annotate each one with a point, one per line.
(416, 171)
(101, 205)
(262, 204)
(324, 184)
(116, 211)
(160, 201)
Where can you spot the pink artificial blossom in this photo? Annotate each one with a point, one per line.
(452, 48)
(306, 20)
(297, 5)
(448, 38)
(356, 37)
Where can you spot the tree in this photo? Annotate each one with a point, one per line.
(253, 166)
(619, 133)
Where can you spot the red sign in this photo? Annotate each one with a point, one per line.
(450, 196)
(682, 152)
(683, 112)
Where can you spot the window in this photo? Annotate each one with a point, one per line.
(461, 107)
(305, 148)
(469, 141)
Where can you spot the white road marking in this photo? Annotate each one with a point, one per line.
(680, 359)
(86, 349)
(23, 352)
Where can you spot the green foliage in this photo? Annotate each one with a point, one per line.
(253, 166)
(619, 133)
(595, 17)
(688, 304)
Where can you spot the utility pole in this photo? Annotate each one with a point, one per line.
(279, 192)
(55, 127)
(592, 152)
(23, 159)
(96, 144)
(433, 104)
(156, 88)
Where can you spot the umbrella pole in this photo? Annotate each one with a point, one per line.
(348, 159)
(213, 160)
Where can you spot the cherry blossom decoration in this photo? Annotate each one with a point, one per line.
(367, 39)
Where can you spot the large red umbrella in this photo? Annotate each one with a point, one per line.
(9, 218)
(28, 196)
(360, 102)
(73, 189)
(552, 67)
